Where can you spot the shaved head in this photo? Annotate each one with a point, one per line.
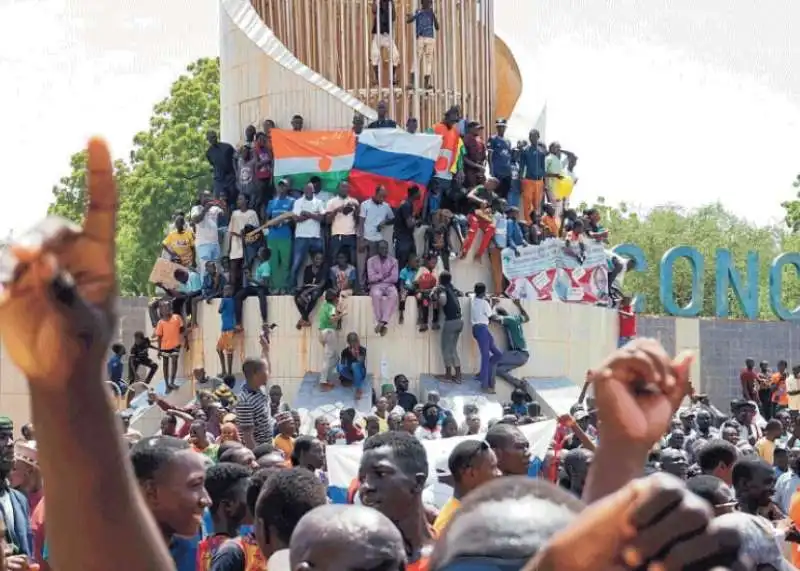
(324, 537)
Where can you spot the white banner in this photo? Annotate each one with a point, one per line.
(343, 460)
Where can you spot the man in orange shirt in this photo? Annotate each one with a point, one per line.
(393, 470)
(780, 396)
(169, 333)
(284, 441)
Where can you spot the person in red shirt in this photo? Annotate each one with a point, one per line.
(749, 380)
(393, 469)
(627, 321)
(352, 432)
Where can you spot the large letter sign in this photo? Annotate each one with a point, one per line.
(728, 276)
(775, 283)
(745, 287)
(666, 290)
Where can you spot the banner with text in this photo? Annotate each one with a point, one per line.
(555, 271)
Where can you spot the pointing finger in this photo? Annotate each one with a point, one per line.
(100, 224)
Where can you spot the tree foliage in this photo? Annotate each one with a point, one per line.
(162, 174)
(792, 208)
(707, 229)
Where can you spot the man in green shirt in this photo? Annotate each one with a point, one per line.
(517, 354)
(329, 318)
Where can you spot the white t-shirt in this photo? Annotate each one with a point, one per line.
(374, 214)
(481, 311)
(206, 231)
(343, 224)
(552, 165)
(238, 221)
(308, 228)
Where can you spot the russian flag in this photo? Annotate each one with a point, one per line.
(394, 159)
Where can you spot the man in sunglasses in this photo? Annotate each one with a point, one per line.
(471, 463)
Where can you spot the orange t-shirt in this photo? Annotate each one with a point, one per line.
(779, 396)
(551, 224)
(169, 331)
(419, 565)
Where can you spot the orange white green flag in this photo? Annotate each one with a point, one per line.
(299, 155)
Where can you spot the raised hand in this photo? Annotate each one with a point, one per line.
(654, 523)
(56, 312)
(637, 390)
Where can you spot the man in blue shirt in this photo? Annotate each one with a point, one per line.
(115, 367)
(532, 176)
(280, 238)
(500, 158)
(427, 26)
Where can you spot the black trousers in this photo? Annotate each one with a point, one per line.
(243, 294)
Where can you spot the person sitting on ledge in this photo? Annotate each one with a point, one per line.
(352, 364)
(257, 279)
(315, 277)
(382, 276)
(481, 218)
(517, 354)
(425, 284)
(408, 275)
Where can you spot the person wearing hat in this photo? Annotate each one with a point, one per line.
(475, 156)
(280, 237)
(284, 441)
(26, 476)
(14, 506)
(499, 149)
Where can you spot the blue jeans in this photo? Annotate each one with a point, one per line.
(302, 248)
(490, 354)
(355, 372)
(206, 253)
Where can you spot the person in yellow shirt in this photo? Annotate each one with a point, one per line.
(179, 243)
(765, 447)
(285, 439)
(471, 463)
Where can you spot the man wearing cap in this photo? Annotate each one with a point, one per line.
(280, 238)
(500, 158)
(26, 477)
(14, 506)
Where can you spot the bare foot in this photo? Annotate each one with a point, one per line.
(378, 328)
(326, 387)
(299, 325)
(384, 329)
(423, 328)
(359, 394)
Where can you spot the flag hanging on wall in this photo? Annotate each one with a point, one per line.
(394, 159)
(299, 155)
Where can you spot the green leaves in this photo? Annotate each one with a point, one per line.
(163, 173)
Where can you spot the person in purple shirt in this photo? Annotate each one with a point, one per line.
(382, 276)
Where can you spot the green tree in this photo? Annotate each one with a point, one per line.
(707, 229)
(792, 208)
(163, 173)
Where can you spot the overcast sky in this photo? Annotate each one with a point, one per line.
(663, 101)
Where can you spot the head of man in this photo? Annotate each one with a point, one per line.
(171, 477)
(576, 466)
(239, 455)
(703, 420)
(745, 413)
(430, 415)
(754, 483)
(285, 498)
(255, 373)
(717, 458)
(511, 448)
(472, 463)
(267, 456)
(393, 471)
(6, 446)
(227, 485)
(324, 538)
(25, 475)
(308, 452)
(674, 462)
(505, 522)
(714, 491)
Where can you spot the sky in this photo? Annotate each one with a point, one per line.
(663, 102)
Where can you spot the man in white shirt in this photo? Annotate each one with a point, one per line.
(309, 212)
(342, 213)
(205, 217)
(374, 215)
(481, 314)
(793, 388)
(241, 217)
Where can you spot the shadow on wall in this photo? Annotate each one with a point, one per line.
(509, 79)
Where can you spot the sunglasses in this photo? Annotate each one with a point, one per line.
(484, 564)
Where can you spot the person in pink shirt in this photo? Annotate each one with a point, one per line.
(382, 276)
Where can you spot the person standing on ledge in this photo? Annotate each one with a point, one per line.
(426, 27)
(382, 122)
(482, 314)
(517, 354)
(384, 16)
